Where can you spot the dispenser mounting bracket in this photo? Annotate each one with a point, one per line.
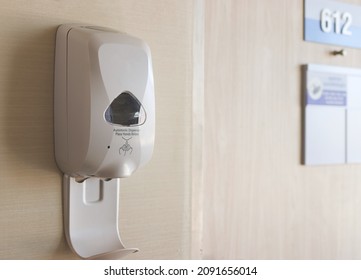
(91, 218)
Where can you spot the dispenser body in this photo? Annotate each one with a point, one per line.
(104, 108)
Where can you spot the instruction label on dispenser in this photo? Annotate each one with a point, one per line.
(328, 89)
(126, 132)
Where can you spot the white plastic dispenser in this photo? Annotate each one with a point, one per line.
(104, 120)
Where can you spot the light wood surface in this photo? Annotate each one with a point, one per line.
(259, 201)
(155, 206)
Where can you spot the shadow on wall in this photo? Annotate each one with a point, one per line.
(29, 100)
(30, 140)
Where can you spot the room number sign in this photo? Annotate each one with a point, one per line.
(336, 21)
(332, 22)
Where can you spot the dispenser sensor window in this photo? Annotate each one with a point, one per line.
(125, 110)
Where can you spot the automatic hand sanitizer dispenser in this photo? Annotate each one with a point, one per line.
(104, 119)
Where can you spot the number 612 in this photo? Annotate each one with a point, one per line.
(336, 22)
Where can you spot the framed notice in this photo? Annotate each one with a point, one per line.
(332, 124)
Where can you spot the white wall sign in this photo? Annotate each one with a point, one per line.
(332, 115)
(332, 22)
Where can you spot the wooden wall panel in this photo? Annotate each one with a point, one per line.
(259, 201)
(155, 207)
